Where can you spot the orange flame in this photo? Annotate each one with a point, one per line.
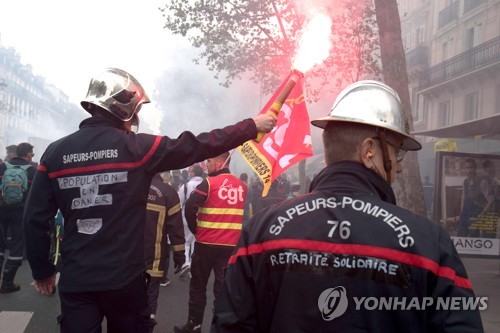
(314, 44)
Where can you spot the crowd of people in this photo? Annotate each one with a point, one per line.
(282, 263)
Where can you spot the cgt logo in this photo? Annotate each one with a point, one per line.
(332, 303)
(232, 195)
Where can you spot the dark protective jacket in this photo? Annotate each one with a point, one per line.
(163, 223)
(344, 258)
(99, 178)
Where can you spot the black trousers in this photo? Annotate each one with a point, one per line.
(153, 293)
(11, 219)
(126, 310)
(205, 259)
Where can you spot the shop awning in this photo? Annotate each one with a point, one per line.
(487, 128)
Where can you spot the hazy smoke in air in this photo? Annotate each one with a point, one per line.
(190, 98)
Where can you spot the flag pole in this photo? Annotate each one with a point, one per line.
(278, 103)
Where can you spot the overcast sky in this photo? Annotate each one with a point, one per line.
(68, 42)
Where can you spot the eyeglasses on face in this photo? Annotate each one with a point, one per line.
(400, 152)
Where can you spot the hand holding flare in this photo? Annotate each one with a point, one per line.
(278, 103)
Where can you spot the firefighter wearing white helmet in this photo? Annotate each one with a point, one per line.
(375, 104)
(99, 178)
(311, 263)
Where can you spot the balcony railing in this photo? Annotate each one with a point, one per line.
(480, 56)
(448, 14)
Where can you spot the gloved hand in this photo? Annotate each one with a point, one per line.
(179, 260)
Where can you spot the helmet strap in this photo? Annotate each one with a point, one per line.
(385, 155)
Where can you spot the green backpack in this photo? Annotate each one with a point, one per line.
(14, 183)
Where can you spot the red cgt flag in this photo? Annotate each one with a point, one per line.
(287, 144)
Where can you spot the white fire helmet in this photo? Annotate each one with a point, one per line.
(117, 92)
(372, 103)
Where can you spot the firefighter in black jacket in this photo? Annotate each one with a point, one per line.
(99, 178)
(163, 222)
(345, 258)
(11, 217)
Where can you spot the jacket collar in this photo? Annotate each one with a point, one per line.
(352, 177)
(100, 121)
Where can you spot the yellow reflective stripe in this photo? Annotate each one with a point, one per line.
(221, 211)
(221, 244)
(159, 231)
(157, 274)
(219, 225)
(174, 210)
(180, 247)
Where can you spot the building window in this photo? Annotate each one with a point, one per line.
(444, 114)
(497, 106)
(447, 49)
(472, 37)
(471, 106)
(471, 4)
(449, 13)
(416, 105)
(419, 36)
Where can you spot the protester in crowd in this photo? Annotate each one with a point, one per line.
(163, 218)
(214, 213)
(310, 263)
(166, 177)
(284, 185)
(273, 197)
(195, 173)
(294, 190)
(177, 180)
(16, 176)
(99, 178)
(184, 176)
(255, 193)
(10, 153)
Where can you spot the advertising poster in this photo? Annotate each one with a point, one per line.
(467, 202)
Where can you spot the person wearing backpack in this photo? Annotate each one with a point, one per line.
(15, 179)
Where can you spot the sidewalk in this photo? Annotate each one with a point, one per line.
(484, 275)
